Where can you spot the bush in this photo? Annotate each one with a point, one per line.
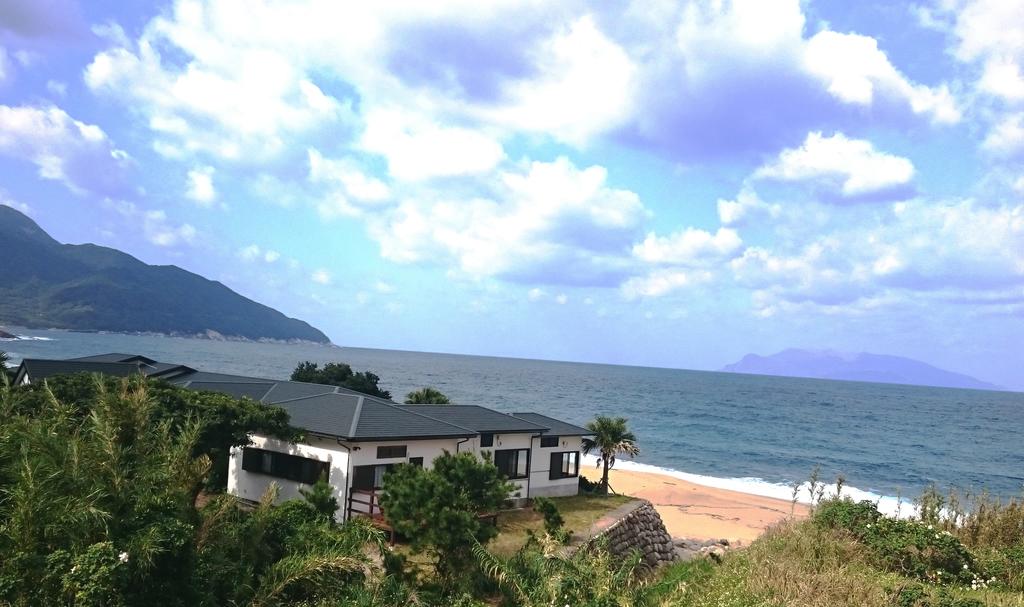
(553, 521)
(846, 514)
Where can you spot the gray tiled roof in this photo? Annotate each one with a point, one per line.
(321, 409)
(115, 357)
(38, 369)
(479, 419)
(556, 427)
(253, 390)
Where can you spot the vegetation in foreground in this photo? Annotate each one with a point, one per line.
(104, 501)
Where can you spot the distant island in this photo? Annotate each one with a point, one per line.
(47, 284)
(879, 368)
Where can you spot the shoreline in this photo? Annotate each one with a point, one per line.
(695, 511)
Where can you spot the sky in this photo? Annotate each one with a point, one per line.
(655, 183)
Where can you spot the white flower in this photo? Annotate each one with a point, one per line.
(123, 557)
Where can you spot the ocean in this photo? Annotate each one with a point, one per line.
(757, 434)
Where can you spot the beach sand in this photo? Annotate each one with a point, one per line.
(697, 512)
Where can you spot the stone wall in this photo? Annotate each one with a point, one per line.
(635, 526)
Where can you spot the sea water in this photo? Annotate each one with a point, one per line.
(758, 434)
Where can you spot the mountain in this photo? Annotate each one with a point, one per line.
(854, 367)
(46, 284)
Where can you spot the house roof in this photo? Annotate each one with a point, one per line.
(36, 368)
(477, 418)
(319, 409)
(555, 427)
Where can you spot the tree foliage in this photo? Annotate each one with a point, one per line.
(438, 509)
(339, 374)
(426, 396)
(223, 421)
(97, 507)
(611, 438)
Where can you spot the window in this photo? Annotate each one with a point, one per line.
(486, 440)
(549, 441)
(370, 477)
(564, 465)
(513, 463)
(416, 461)
(393, 451)
(284, 465)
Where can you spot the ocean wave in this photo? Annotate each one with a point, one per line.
(26, 338)
(887, 504)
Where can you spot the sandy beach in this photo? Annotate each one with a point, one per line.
(699, 512)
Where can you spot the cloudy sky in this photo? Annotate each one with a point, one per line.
(661, 183)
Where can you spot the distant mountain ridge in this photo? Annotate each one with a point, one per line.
(46, 284)
(879, 368)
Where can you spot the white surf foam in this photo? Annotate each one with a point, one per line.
(887, 505)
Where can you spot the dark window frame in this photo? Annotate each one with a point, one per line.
(486, 439)
(551, 441)
(392, 451)
(560, 461)
(506, 463)
(359, 473)
(416, 461)
(296, 468)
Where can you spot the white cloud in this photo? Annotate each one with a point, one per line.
(5, 67)
(254, 252)
(1007, 137)
(63, 149)
(546, 221)
(855, 71)
(662, 282)
(535, 294)
(562, 299)
(321, 277)
(853, 166)
(747, 205)
(7, 201)
(57, 88)
(920, 247)
(583, 86)
(689, 247)
(992, 32)
(349, 191)
(200, 185)
(206, 85)
(161, 232)
(384, 287)
(418, 149)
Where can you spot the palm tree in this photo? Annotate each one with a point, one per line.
(426, 396)
(611, 438)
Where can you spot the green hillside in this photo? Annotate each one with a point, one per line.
(88, 287)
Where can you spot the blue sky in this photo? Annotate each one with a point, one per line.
(658, 183)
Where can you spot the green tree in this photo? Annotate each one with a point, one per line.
(438, 509)
(224, 421)
(339, 374)
(426, 396)
(97, 507)
(321, 497)
(611, 438)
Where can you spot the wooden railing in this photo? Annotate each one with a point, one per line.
(365, 502)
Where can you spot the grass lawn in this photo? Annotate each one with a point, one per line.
(579, 512)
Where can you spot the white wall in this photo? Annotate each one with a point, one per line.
(252, 485)
(540, 481)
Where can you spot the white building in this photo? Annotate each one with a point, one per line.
(353, 439)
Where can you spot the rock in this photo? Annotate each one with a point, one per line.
(715, 553)
(6, 335)
(723, 542)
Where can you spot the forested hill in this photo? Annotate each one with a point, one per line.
(46, 284)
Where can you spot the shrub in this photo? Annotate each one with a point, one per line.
(553, 521)
(847, 514)
(437, 509)
(919, 550)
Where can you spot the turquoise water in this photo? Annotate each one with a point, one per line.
(752, 433)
